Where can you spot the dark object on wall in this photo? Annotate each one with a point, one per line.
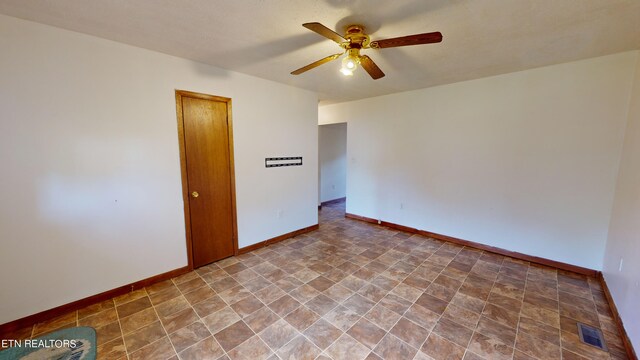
(591, 336)
(283, 161)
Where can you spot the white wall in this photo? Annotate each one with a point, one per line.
(333, 114)
(525, 161)
(332, 153)
(624, 230)
(90, 187)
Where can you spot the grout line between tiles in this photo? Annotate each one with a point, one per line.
(515, 340)
(161, 324)
(115, 308)
(200, 318)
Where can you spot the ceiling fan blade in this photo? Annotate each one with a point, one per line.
(418, 39)
(371, 67)
(316, 64)
(324, 31)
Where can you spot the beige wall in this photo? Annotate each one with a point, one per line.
(624, 230)
(525, 161)
(91, 189)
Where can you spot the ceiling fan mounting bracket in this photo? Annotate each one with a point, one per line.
(356, 38)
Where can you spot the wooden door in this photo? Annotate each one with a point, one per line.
(208, 168)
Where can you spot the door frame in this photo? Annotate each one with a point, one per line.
(183, 168)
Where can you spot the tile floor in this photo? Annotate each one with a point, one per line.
(352, 290)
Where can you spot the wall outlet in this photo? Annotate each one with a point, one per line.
(621, 263)
(401, 206)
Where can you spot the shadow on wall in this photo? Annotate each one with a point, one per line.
(210, 71)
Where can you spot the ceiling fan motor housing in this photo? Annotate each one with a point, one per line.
(356, 38)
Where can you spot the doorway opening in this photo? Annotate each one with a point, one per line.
(332, 164)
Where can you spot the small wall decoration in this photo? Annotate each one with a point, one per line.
(283, 161)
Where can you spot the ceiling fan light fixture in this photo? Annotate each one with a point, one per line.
(349, 63)
(346, 72)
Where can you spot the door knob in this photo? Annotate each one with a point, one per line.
(195, 194)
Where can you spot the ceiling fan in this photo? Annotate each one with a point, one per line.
(354, 40)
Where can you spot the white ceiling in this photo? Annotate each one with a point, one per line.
(265, 38)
